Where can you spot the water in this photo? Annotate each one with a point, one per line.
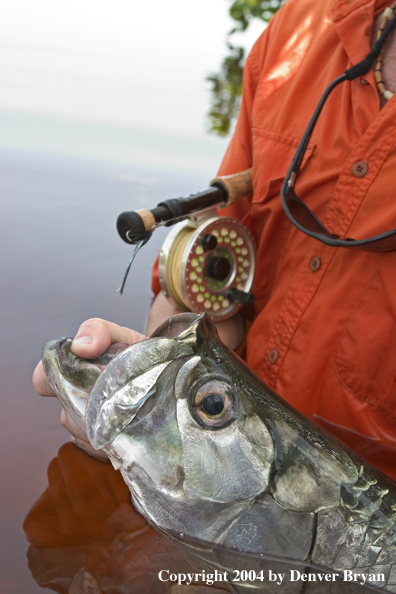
(61, 263)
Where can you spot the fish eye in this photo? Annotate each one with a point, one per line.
(214, 404)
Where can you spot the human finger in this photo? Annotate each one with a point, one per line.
(96, 335)
(40, 382)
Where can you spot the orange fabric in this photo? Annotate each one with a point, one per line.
(325, 340)
(155, 283)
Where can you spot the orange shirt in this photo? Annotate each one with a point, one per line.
(324, 335)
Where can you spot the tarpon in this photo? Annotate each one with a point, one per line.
(219, 462)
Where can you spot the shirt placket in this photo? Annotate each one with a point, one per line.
(359, 172)
(296, 301)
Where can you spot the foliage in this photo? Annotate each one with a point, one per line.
(227, 82)
(226, 91)
(243, 11)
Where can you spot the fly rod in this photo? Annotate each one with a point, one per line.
(136, 226)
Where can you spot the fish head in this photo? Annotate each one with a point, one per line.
(208, 451)
(172, 412)
(181, 428)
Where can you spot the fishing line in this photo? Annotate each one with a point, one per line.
(169, 222)
(135, 251)
(175, 259)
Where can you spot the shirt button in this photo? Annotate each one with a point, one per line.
(360, 169)
(273, 356)
(315, 264)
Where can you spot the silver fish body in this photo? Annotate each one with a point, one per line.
(216, 460)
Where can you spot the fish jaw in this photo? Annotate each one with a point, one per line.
(73, 378)
(71, 388)
(126, 383)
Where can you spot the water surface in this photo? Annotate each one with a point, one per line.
(61, 263)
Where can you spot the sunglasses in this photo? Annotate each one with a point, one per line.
(296, 210)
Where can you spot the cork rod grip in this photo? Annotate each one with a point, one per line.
(237, 185)
(147, 218)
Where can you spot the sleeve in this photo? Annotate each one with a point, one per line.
(155, 284)
(239, 154)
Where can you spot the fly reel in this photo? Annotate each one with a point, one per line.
(209, 266)
(206, 263)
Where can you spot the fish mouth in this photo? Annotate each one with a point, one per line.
(72, 378)
(81, 373)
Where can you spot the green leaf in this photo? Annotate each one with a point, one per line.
(227, 82)
(226, 91)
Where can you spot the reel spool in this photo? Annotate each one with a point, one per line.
(209, 267)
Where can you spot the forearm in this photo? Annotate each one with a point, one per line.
(161, 309)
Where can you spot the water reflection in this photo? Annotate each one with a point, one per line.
(85, 537)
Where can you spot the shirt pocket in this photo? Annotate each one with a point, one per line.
(365, 358)
(272, 156)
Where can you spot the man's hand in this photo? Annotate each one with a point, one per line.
(92, 339)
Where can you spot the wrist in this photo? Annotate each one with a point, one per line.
(161, 309)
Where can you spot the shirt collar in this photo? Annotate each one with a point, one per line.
(353, 20)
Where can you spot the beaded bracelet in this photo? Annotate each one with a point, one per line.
(388, 14)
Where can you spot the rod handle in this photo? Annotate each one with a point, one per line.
(237, 185)
(134, 225)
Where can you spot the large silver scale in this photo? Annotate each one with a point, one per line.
(207, 262)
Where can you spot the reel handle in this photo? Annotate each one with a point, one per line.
(135, 226)
(237, 296)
